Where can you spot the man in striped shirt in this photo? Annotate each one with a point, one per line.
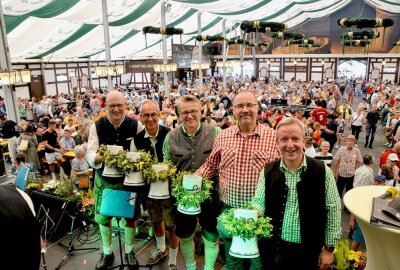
(239, 154)
(299, 194)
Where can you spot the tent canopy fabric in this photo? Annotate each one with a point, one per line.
(68, 30)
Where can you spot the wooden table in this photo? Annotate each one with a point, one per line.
(70, 154)
(4, 143)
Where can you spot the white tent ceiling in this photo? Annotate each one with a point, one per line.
(69, 29)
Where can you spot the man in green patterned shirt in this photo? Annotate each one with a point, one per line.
(300, 195)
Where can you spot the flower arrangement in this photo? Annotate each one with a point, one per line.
(152, 176)
(87, 203)
(245, 228)
(64, 189)
(346, 259)
(128, 165)
(32, 186)
(189, 199)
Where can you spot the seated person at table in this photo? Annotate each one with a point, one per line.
(67, 143)
(80, 167)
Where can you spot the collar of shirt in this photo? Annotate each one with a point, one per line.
(256, 131)
(195, 133)
(147, 135)
(116, 126)
(303, 165)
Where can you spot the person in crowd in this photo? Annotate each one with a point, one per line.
(356, 122)
(52, 150)
(238, 173)
(161, 211)
(330, 130)
(309, 149)
(187, 147)
(324, 154)
(340, 131)
(31, 153)
(297, 192)
(82, 135)
(345, 109)
(357, 235)
(364, 175)
(384, 156)
(9, 132)
(79, 166)
(67, 143)
(319, 113)
(18, 225)
(345, 162)
(113, 129)
(372, 122)
(390, 170)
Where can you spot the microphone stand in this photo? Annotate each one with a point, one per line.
(45, 224)
(70, 248)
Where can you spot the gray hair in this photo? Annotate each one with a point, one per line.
(149, 101)
(326, 143)
(78, 150)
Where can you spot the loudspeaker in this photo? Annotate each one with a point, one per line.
(54, 213)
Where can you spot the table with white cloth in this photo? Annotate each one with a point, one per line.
(382, 243)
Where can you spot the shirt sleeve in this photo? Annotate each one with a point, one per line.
(258, 201)
(333, 230)
(166, 149)
(93, 145)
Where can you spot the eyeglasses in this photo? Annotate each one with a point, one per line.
(113, 106)
(192, 112)
(248, 106)
(148, 115)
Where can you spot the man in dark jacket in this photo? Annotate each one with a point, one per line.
(297, 192)
(372, 123)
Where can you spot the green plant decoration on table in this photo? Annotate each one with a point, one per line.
(127, 165)
(243, 227)
(152, 176)
(346, 259)
(190, 199)
(162, 31)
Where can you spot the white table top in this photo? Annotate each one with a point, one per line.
(359, 202)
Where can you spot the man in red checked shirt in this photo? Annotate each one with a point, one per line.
(319, 114)
(238, 156)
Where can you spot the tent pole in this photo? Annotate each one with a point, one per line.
(200, 53)
(164, 47)
(224, 54)
(107, 41)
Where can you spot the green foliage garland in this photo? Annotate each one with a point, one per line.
(356, 43)
(190, 199)
(315, 45)
(245, 228)
(287, 35)
(365, 22)
(127, 165)
(210, 38)
(262, 27)
(152, 176)
(300, 41)
(240, 41)
(109, 159)
(162, 31)
(362, 35)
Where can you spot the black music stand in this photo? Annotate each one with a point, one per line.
(70, 248)
(118, 204)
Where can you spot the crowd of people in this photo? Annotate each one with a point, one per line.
(253, 150)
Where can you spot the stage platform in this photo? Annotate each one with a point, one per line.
(86, 260)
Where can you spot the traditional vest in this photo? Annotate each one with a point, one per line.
(109, 135)
(20, 229)
(189, 153)
(311, 199)
(143, 143)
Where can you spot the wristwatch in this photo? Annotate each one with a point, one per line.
(328, 248)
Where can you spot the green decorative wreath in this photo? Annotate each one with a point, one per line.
(356, 43)
(110, 159)
(127, 165)
(362, 35)
(190, 199)
(300, 42)
(240, 41)
(210, 38)
(162, 30)
(245, 228)
(365, 22)
(315, 45)
(262, 27)
(259, 44)
(152, 176)
(287, 35)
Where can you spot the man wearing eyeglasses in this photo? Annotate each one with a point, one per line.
(238, 156)
(113, 129)
(161, 211)
(187, 147)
